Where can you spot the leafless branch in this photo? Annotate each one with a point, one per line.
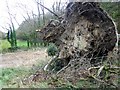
(4, 27)
(48, 10)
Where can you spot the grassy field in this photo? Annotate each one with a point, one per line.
(13, 77)
(9, 76)
(21, 43)
(5, 45)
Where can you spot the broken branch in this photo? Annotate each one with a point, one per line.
(48, 10)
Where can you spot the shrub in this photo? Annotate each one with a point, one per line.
(52, 50)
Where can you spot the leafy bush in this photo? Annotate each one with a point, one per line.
(52, 50)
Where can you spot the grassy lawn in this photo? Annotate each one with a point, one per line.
(21, 43)
(13, 77)
(10, 75)
(5, 45)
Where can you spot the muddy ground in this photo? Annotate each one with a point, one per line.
(22, 58)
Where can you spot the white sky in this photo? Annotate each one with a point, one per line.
(17, 12)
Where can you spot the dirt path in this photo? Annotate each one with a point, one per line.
(22, 58)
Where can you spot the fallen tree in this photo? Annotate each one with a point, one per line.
(86, 37)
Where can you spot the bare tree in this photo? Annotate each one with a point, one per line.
(59, 7)
(38, 8)
(48, 10)
(43, 13)
(24, 8)
(11, 32)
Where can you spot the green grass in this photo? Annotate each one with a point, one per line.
(21, 43)
(5, 45)
(11, 76)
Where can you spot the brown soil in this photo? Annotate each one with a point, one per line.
(22, 58)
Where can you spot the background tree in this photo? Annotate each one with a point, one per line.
(113, 9)
(11, 35)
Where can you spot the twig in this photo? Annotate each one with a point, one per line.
(99, 80)
(93, 68)
(102, 81)
(100, 70)
(63, 68)
(49, 63)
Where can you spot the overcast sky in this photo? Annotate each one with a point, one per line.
(18, 12)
